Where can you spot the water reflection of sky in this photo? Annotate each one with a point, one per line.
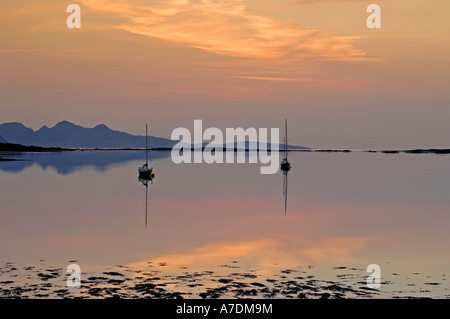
(352, 209)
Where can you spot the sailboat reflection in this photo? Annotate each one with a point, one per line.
(285, 188)
(145, 181)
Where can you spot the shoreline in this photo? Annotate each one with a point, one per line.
(8, 149)
(231, 280)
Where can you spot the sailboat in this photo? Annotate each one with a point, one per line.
(285, 165)
(146, 173)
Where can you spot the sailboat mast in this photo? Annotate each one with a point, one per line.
(146, 146)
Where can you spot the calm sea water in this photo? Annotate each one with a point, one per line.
(343, 211)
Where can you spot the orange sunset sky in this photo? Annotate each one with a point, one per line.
(233, 63)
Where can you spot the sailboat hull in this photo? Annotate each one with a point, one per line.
(146, 174)
(285, 166)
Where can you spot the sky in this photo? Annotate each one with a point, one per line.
(235, 63)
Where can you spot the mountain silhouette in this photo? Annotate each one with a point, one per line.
(2, 140)
(67, 134)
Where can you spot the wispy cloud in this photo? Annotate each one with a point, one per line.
(318, 1)
(262, 78)
(226, 27)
